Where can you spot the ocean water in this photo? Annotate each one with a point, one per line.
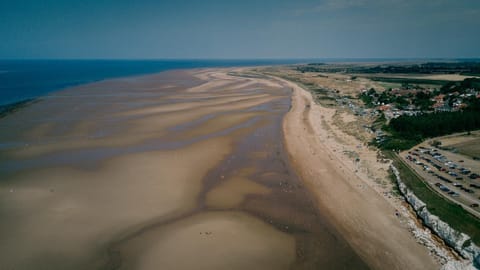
(26, 79)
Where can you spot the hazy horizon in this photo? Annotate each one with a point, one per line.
(197, 30)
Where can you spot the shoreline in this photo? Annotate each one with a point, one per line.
(13, 107)
(379, 237)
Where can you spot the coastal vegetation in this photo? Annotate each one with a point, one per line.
(462, 68)
(409, 80)
(470, 148)
(468, 83)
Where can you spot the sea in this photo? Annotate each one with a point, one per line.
(29, 79)
(22, 80)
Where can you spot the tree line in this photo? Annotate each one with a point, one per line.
(407, 131)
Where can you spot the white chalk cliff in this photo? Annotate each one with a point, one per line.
(459, 241)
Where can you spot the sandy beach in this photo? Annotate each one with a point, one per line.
(177, 170)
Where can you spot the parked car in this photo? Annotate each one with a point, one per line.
(444, 188)
(453, 174)
(475, 186)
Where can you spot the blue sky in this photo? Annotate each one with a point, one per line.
(239, 29)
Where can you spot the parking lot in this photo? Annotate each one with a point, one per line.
(454, 176)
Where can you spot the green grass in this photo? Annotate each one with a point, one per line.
(470, 148)
(395, 190)
(453, 214)
(388, 85)
(320, 91)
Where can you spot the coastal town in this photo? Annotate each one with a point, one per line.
(413, 100)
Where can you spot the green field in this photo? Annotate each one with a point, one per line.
(453, 214)
(470, 148)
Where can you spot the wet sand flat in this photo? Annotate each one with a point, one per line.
(177, 170)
